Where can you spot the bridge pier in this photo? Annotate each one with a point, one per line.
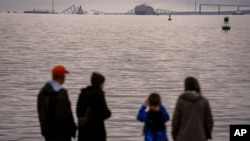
(200, 9)
(219, 10)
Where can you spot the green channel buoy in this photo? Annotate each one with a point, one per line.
(226, 24)
(226, 28)
(226, 19)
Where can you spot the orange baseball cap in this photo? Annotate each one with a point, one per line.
(59, 70)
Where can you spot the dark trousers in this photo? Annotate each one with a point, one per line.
(57, 138)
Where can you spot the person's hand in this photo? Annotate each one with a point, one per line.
(146, 102)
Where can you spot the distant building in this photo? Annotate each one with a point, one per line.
(143, 9)
(38, 12)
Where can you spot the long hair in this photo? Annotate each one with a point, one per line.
(192, 84)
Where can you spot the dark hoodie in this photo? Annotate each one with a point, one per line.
(54, 111)
(93, 97)
(192, 120)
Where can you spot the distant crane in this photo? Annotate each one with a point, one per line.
(53, 11)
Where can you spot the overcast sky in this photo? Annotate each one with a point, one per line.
(108, 5)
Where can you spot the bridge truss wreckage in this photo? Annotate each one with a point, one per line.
(74, 10)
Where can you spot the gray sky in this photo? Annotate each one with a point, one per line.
(108, 5)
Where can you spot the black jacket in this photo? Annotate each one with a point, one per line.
(94, 97)
(55, 113)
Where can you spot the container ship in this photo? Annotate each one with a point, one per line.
(144, 9)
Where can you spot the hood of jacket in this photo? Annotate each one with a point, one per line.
(191, 96)
(90, 92)
(51, 87)
(48, 90)
(55, 85)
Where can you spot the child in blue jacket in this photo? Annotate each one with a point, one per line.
(154, 119)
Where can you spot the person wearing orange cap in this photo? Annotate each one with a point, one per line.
(54, 109)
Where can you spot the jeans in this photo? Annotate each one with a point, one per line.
(57, 138)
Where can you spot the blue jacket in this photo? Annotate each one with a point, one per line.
(154, 128)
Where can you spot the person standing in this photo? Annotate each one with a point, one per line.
(54, 109)
(192, 120)
(92, 110)
(154, 119)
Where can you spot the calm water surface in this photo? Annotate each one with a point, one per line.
(137, 54)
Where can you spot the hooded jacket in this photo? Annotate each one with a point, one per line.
(54, 111)
(95, 98)
(192, 120)
(154, 128)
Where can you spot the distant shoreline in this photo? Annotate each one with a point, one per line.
(244, 12)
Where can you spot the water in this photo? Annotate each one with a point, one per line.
(137, 54)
